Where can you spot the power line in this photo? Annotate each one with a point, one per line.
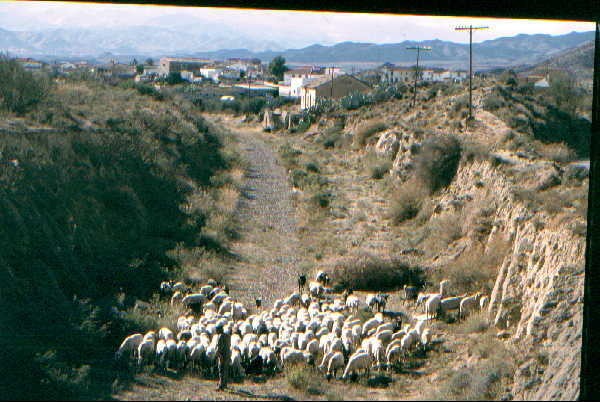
(418, 49)
(470, 28)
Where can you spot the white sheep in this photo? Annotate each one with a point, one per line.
(426, 337)
(449, 303)
(377, 351)
(392, 355)
(369, 325)
(176, 298)
(335, 363)
(269, 360)
(315, 289)
(432, 306)
(358, 361)
(419, 327)
(236, 368)
(398, 335)
(197, 356)
(371, 300)
(291, 357)
(165, 333)
(444, 288)
(145, 352)
(180, 286)
(129, 346)
(483, 302)
(468, 304)
(161, 354)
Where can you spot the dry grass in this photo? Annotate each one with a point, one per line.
(407, 201)
(304, 378)
(367, 130)
(475, 270)
(441, 231)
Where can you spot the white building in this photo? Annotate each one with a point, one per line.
(187, 75)
(212, 73)
(397, 74)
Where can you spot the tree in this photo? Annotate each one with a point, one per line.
(149, 61)
(563, 87)
(174, 78)
(139, 68)
(277, 67)
(20, 90)
(510, 79)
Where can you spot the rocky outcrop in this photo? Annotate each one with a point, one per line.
(408, 147)
(537, 300)
(388, 144)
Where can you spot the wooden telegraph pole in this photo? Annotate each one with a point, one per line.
(418, 49)
(470, 28)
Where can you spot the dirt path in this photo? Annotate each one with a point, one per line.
(269, 243)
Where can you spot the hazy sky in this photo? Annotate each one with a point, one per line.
(291, 27)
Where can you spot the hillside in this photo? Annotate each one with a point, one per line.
(579, 60)
(100, 184)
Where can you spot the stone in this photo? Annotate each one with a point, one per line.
(387, 145)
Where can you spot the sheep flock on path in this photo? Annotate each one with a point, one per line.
(314, 328)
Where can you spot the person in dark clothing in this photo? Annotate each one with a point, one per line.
(223, 356)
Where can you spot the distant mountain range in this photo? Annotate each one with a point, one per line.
(209, 41)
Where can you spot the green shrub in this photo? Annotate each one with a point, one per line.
(368, 272)
(437, 162)
(322, 198)
(20, 90)
(378, 170)
(493, 102)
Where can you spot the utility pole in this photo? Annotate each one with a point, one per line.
(418, 49)
(248, 83)
(331, 73)
(470, 28)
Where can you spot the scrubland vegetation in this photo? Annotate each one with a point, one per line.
(99, 185)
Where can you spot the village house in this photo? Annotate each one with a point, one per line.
(211, 72)
(29, 64)
(243, 64)
(295, 79)
(326, 88)
(169, 65)
(394, 74)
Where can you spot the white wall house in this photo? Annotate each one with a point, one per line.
(230, 73)
(187, 76)
(397, 74)
(212, 73)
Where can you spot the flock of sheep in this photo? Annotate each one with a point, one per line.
(304, 328)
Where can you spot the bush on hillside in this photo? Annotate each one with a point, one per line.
(369, 272)
(437, 162)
